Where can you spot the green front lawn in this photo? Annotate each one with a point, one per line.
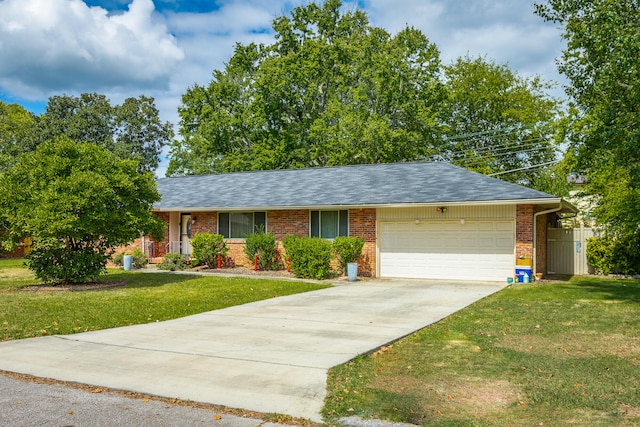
(136, 298)
(563, 353)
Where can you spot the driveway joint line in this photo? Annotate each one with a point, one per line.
(208, 356)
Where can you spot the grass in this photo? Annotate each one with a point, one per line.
(540, 354)
(140, 298)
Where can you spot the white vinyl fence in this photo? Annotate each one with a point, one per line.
(567, 250)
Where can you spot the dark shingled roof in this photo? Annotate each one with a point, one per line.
(360, 185)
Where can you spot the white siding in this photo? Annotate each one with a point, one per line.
(453, 212)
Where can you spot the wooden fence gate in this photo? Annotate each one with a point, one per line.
(567, 250)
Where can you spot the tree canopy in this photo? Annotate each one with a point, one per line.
(330, 90)
(132, 130)
(498, 122)
(601, 63)
(334, 90)
(16, 126)
(76, 201)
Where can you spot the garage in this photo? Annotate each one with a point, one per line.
(447, 249)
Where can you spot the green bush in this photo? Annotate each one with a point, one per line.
(173, 262)
(58, 264)
(206, 247)
(139, 259)
(310, 256)
(118, 259)
(263, 244)
(348, 249)
(610, 254)
(600, 253)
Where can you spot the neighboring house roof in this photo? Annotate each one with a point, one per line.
(389, 184)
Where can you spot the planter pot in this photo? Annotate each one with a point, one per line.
(352, 271)
(127, 262)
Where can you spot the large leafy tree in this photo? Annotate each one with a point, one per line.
(132, 130)
(331, 90)
(602, 66)
(76, 201)
(16, 126)
(498, 122)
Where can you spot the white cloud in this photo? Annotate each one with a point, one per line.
(48, 46)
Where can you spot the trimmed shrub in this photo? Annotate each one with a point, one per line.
(610, 254)
(263, 244)
(57, 264)
(206, 247)
(139, 259)
(118, 259)
(173, 262)
(347, 249)
(310, 256)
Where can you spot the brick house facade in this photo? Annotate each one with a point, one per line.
(362, 223)
(418, 220)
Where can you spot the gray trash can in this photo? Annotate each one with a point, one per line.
(127, 261)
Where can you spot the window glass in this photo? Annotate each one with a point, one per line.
(329, 224)
(223, 224)
(237, 225)
(315, 223)
(241, 224)
(259, 222)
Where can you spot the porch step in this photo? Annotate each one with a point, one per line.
(155, 260)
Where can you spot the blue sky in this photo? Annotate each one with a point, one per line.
(126, 48)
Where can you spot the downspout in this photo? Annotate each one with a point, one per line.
(535, 235)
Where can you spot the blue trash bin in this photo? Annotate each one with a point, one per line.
(524, 273)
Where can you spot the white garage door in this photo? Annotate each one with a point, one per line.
(469, 250)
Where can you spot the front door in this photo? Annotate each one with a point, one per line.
(185, 234)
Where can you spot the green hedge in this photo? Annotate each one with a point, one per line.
(206, 247)
(265, 245)
(610, 254)
(348, 249)
(310, 256)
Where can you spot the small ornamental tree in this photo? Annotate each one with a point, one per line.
(206, 247)
(76, 201)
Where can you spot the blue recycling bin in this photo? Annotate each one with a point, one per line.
(524, 273)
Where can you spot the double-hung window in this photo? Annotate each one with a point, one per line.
(329, 224)
(237, 225)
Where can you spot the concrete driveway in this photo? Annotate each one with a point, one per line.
(268, 356)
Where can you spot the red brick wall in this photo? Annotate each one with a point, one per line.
(362, 223)
(524, 231)
(284, 223)
(204, 222)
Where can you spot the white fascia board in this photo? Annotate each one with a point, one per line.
(545, 201)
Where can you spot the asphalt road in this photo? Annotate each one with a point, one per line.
(36, 402)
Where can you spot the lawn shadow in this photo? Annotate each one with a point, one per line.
(134, 279)
(627, 290)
